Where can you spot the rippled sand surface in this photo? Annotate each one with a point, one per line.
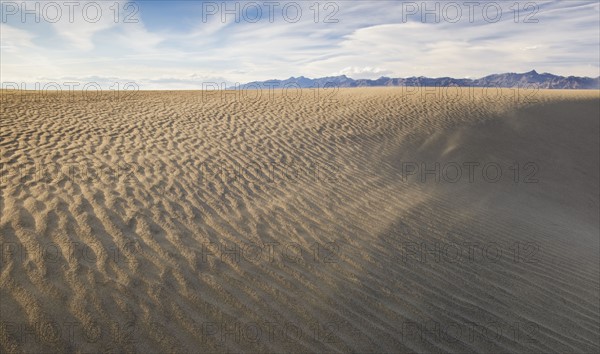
(196, 222)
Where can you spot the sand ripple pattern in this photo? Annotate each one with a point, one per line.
(124, 216)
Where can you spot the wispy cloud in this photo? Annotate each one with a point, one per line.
(160, 49)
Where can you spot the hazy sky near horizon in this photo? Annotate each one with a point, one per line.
(181, 44)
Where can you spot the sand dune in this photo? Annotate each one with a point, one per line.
(196, 222)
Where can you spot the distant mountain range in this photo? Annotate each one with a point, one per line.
(529, 79)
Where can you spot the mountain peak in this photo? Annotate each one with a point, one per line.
(510, 80)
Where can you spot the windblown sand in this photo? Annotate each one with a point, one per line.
(201, 222)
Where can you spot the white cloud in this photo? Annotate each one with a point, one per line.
(366, 72)
(81, 31)
(12, 38)
(370, 40)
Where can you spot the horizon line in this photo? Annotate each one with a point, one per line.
(68, 83)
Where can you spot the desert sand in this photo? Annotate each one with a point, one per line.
(190, 221)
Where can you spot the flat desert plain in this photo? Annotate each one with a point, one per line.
(360, 220)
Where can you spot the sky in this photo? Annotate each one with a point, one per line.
(188, 44)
